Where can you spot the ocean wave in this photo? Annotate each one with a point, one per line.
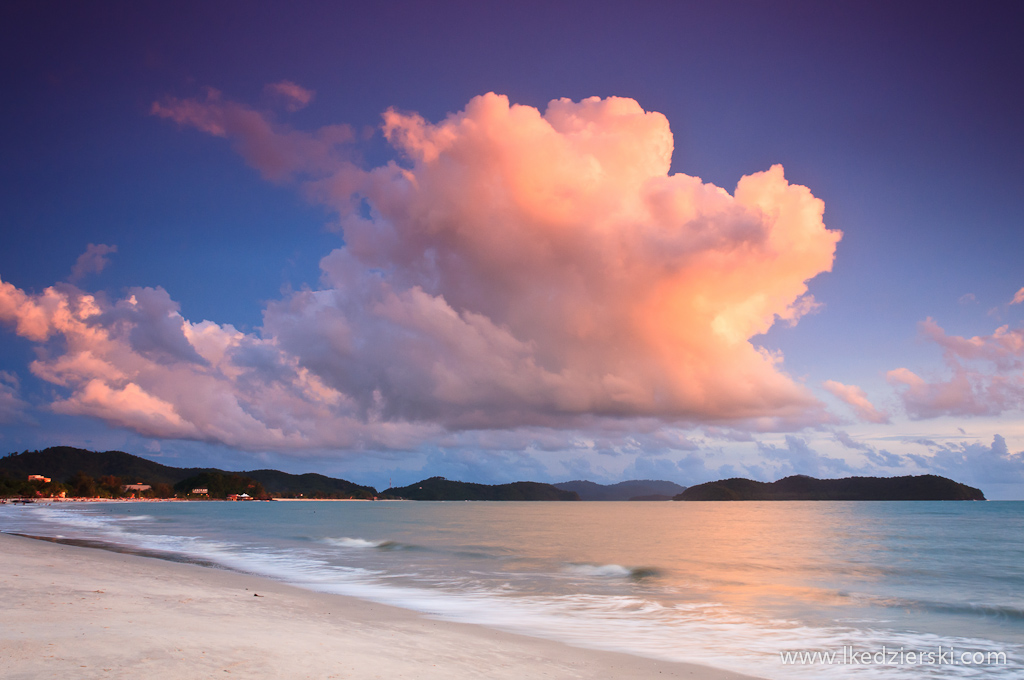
(85, 520)
(362, 543)
(969, 608)
(612, 571)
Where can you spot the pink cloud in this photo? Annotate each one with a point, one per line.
(137, 363)
(129, 406)
(986, 375)
(608, 285)
(517, 269)
(1005, 347)
(1018, 297)
(276, 150)
(857, 399)
(295, 97)
(29, 315)
(92, 261)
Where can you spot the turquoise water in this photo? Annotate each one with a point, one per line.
(732, 585)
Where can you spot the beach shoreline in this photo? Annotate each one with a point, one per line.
(89, 613)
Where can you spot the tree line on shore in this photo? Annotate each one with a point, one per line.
(81, 485)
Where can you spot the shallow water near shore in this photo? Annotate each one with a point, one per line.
(730, 585)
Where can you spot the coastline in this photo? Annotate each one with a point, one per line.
(90, 613)
(97, 499)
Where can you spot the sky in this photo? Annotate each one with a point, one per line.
(506, 241)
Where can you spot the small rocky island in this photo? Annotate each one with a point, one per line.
(804, 488)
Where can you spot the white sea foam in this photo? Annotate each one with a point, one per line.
(610, 571)
(602, 570)
(346, 542)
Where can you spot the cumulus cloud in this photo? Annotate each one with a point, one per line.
(516, 268)
(553, 266)
(295, 97)
(986, 375)
(975, 463)
(92, 261)
(857, 399)
(1018, 297)
(137, 363)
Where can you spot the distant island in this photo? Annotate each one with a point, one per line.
(441, 489)
(804, 488)
(631, 490)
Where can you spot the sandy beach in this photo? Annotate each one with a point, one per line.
(73, 612)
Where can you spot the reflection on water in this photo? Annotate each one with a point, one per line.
(728, 584)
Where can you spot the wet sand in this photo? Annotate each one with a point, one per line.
(75, 612)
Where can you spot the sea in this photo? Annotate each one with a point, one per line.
(776, 590)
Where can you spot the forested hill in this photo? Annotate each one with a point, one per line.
(441, 489)
(61, 463)
(803, 488)
(633, 489)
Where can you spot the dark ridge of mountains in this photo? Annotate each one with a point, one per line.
(804, 488)
(441, 489)
(633, 489)
(61, 463)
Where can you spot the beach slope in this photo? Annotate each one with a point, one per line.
(73, 612)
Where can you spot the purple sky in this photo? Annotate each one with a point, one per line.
(306, 236)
